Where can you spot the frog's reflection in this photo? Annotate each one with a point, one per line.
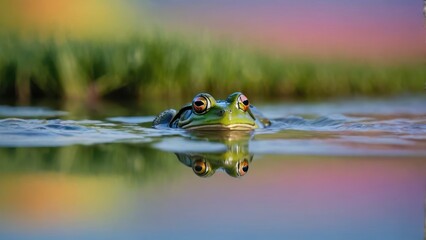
(235, 160)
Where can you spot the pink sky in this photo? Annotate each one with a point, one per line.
(377, 29)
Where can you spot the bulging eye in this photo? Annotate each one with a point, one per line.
(200, 167)
(243, 167)
(243, 102)
(200, 104)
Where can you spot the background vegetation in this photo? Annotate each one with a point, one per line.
(159, 66)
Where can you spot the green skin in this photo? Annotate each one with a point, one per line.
(221, 115)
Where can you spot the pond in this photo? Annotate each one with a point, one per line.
(342, 169)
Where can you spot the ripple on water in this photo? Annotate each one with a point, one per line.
(38, 133)
(132, 120)
(347, 136)
(316, 129)
(29, 112)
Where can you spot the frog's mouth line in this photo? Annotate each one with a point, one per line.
(233, 127)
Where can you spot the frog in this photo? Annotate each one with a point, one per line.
(235, 113)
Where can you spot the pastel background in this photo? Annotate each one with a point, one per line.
(368, 29)
(376, 29)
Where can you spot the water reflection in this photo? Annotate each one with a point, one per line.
(131, 161)
(234, 159)
(206, 153)
(138, 161)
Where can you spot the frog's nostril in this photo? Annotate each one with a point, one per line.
(221, 112)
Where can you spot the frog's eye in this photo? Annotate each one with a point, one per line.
(243, 167)
(200, 167)
(200, 104)
(243, 102)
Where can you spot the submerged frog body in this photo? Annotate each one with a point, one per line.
(206, 113)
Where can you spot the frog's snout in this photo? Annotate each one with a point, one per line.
(222, 112)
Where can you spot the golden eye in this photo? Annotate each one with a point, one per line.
(200, 104)
(243, 102)
(200, 167)
(243, 167)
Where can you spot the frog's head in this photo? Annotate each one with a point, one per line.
(205, 113)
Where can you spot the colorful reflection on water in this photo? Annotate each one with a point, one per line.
(281, 197)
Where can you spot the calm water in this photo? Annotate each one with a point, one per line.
(330, 170)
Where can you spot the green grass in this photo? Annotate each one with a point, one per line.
(157, 66)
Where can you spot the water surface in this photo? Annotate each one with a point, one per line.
(353, 169)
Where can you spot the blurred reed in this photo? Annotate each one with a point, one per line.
(127, 160)
(156, 66)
